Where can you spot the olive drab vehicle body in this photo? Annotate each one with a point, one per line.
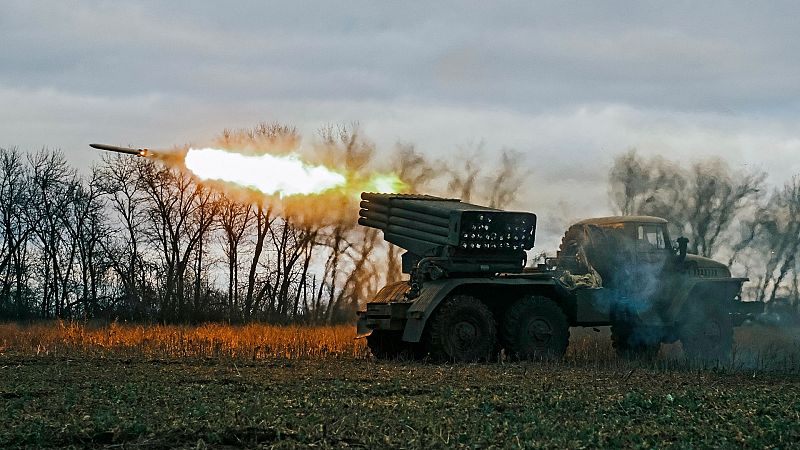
(470, 293)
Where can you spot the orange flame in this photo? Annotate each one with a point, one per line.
(282, 175)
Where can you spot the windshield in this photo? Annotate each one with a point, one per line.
(651, 237)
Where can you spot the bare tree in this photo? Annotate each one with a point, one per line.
(360, 281)
(120, 181)
(251, 217)
(416, 172)
(85, 224)
(472, 179)
(257, 289)
(235, 218)
(343, 147)
(780, 240)
(15, 232)
(275, 138)
(205, 218)
(463, 179)
(289, 242)
(716, 198)
(506, 182)
(412, 167)
(179, 212)
(51, 188)
(702, 201)
(647, 186)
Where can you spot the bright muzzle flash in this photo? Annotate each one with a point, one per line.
(282, 175)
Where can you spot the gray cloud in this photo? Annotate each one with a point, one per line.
(708, 56)
(568, 84)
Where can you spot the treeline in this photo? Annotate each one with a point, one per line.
(732, 216)
(138, 239)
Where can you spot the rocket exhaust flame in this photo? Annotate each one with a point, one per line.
(270, 174)
(280, 175)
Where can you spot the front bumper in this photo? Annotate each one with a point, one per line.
(381, 316)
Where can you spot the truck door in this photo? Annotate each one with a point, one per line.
(651, 255)
(651, 246)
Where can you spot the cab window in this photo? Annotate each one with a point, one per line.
(650, 237)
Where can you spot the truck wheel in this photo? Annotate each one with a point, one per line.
(462, 330)
(707, 334)
(535, 328)
(634, 342)
(390, 345)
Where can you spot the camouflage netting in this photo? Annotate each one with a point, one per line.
(588, 276)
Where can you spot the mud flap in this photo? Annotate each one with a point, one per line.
(362, 330)
(746, 310)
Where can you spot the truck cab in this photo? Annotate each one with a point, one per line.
(649, 289)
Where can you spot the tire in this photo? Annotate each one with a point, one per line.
(707, 334)
(462, 330)
(632, 341)
(388, 345)
(535, 328)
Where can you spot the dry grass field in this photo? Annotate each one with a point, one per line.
(245, 342)
(211, 386)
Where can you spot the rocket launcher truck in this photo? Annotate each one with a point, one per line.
(470, 294)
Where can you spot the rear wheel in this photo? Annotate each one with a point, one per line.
(707, 333)
(632, 341)
(462, 330)
(535, 328)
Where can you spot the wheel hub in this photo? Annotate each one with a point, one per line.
(540, 330)
(465, 333)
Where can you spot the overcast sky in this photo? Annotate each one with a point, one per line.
(569, 85)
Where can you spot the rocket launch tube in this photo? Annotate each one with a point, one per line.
(404, 232)
(396, 219)
(411, 215)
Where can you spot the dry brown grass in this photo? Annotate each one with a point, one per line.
(757, 347)
(761, 347)
(254, 341)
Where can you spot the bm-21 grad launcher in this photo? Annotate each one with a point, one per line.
(448, 237)
(469, 292)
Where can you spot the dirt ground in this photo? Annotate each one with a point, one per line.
(118, 399)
